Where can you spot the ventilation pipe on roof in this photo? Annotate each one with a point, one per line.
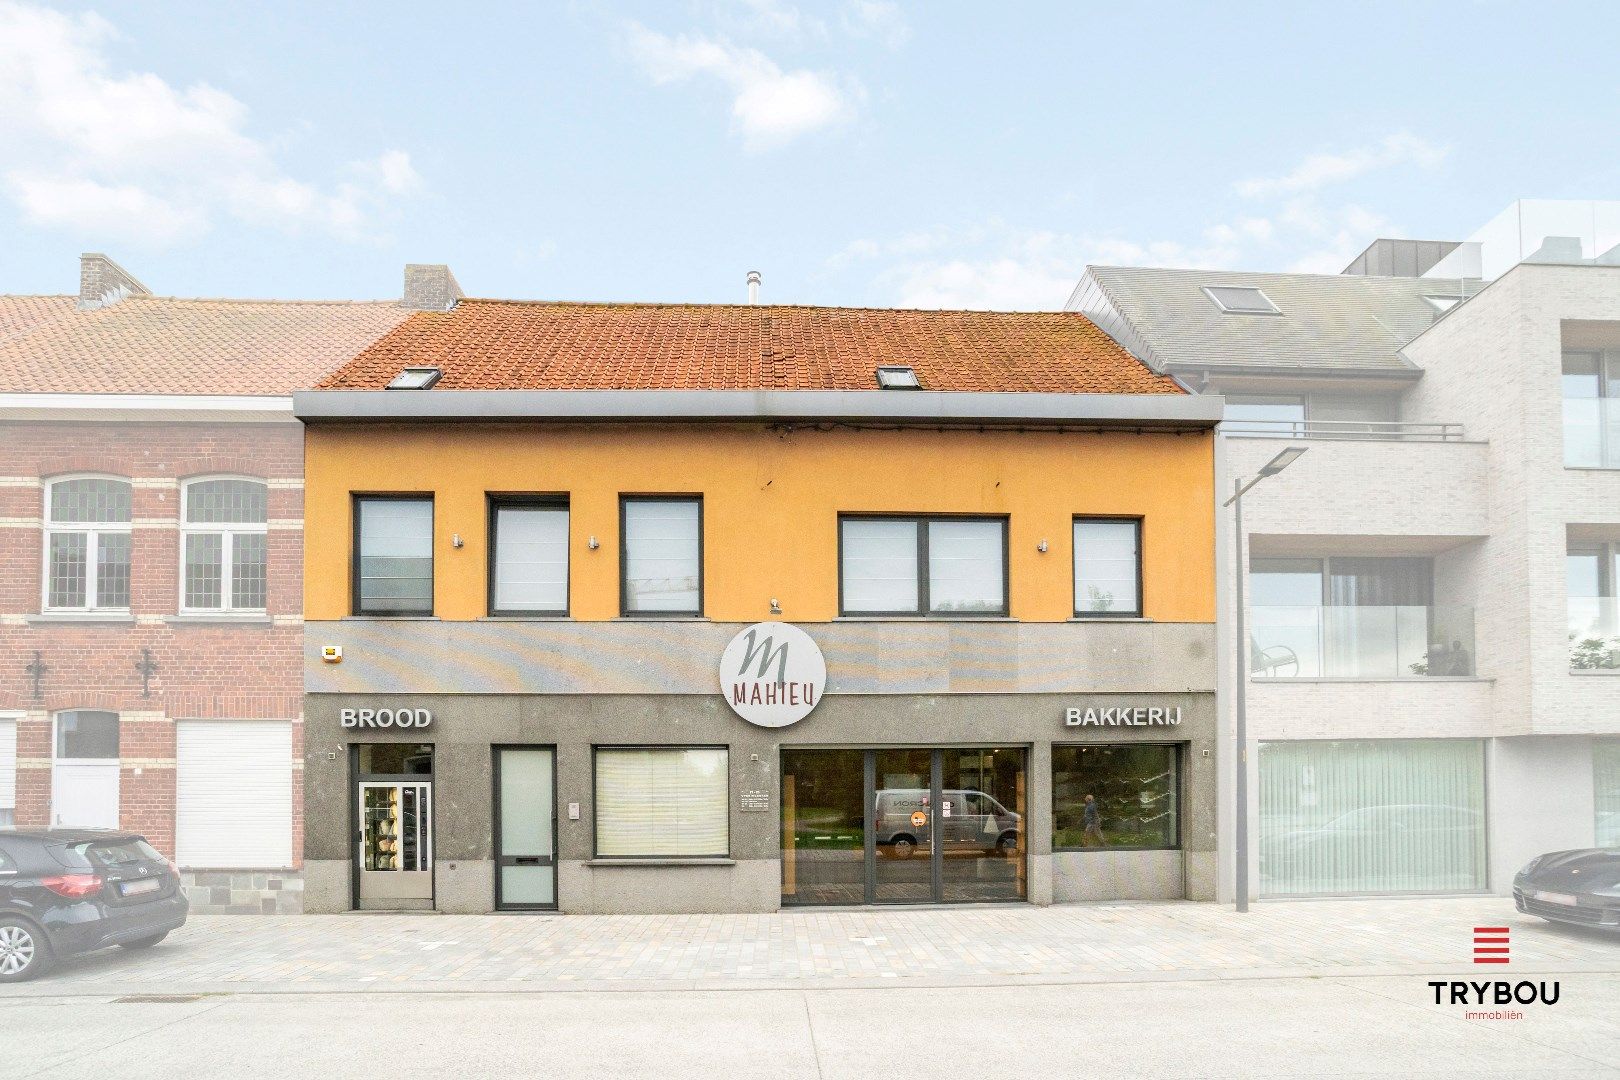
(753, 286)
(430, 287)
(103, 282)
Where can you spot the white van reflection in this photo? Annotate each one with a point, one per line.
(969, 821)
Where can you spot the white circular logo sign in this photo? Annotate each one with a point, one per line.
(772, 674)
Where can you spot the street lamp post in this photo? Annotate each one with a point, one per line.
(1241, 672)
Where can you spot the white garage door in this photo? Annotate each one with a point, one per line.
(8, 771)
(234, 794)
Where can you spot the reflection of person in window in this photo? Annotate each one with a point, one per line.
(1091, 818)
(1459, 658)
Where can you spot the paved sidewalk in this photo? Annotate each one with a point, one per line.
(1078, 943)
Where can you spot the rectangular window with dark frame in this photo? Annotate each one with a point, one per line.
(922, 565)
(662, 802)
(393, 555)
(1111, 795)
(528, 555)
(1108, 567)
(661, 554)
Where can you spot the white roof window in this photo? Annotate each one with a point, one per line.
(415, 378)
(1241, 300)
(1443, 303)
(897, 377)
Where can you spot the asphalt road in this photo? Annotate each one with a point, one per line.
(1304, 1027)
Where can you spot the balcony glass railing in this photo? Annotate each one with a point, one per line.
(1594, 633)
(1361, 642)
(1592, 432)
(1352, 430)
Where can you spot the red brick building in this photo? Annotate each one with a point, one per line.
(151, 510)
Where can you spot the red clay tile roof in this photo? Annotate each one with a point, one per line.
(525, 345)
(160, 345)
(20, 313)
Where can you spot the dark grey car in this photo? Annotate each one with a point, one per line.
(1580, 887)
(65, 891)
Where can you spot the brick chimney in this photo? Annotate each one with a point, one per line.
(103, 282)
(430, 287)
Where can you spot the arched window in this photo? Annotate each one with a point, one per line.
(87, 544)
(222, 544)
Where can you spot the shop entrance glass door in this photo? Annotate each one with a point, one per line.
(394, 833)
(525, 828)
(903, 826)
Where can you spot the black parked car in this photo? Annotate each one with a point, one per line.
(66, 891)
(1581, 887)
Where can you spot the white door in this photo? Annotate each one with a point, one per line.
(84, 776)
(85, 795)
(8, 771)
(233, 807)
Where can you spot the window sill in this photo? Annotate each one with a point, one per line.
(389, 618)
(1599, 672)
(1277, 680)
(220, 619)
(561, 616)
(926, 618)
(661, 862)
(80, 618)
(1104, 850)
(672, 617)
(1109, 618)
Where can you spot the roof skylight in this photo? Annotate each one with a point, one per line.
(1241, 300)
(415, 378)
(1443, 303)
(897, 377)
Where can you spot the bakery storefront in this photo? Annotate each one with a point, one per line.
(748, 768)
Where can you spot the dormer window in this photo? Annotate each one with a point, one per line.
(415, 378)
(1443, 304)
(1241, 300)
(897, 378)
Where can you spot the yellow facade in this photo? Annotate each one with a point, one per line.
(771, 500)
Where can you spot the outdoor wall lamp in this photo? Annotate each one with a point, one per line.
(776, 608)
(1041, 547)
(593, 543)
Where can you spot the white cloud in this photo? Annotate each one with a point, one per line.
(1321, 170)
(769, 106)
(775, 19)
(127, 155)
(881, 20)
(995, 266)
(998, 266)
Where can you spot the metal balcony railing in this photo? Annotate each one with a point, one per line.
(1353, 430)
(1342, 642)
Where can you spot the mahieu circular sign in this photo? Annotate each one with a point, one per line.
(772, 674)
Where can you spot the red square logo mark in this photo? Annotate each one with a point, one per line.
(1490, 945)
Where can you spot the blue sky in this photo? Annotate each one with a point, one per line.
(854, 151)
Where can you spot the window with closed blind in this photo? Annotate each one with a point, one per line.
(1372, 816)
(662, 802)
(922, 566)
(528, 556)
(661, 555)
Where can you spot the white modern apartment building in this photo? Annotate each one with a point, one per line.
(1433, 630)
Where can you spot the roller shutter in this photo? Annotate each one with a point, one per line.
(234, 794)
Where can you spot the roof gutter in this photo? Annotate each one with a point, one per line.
(152, 407)
(892, 406)
(1228, 369)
